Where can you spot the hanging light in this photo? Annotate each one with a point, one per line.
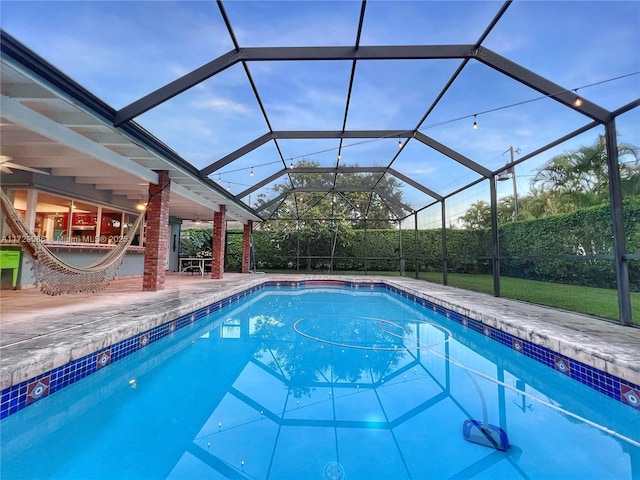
(475, 124)
(339, 156)
(399, 143)
(141, 206)
(251, 172)
(291, 165)
(229, 187)
(578, 101)
(197, 221)
(219, 179)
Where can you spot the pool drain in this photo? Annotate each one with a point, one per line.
(333, 471)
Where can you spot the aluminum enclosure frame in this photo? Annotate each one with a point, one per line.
(595, 115)
(356, 53)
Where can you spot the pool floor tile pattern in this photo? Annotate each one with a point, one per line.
(17, 397)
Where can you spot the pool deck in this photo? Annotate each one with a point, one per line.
(39, 332)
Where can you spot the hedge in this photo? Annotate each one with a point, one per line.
(574, 248)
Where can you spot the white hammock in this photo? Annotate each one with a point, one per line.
(56, 277)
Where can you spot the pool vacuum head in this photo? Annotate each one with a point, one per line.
(485, 434)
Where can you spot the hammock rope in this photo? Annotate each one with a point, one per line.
(56, 277)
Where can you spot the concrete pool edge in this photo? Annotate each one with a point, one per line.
(619, 360)
(22, 361)
(522, 321)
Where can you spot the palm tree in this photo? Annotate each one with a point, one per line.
(580, 178)
(477, 216)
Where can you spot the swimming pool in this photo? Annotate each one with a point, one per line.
(321, 383)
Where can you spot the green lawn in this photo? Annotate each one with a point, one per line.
(600, 302)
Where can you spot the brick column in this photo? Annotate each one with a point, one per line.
(217, 250)
(157, 234)
(246, 247)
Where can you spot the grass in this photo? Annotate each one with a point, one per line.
(599, 302)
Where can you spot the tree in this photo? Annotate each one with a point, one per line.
(580, 179)
(317, 220)
(566, 183)
(356, 207)
(196, 242)
(478, 215)
(539, 203)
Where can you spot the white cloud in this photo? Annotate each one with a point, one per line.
(420, 171)
(221, 105)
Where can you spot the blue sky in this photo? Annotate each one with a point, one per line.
(121, 51)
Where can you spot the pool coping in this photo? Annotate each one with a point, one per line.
(26, 367)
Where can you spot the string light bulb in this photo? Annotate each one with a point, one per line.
(251, 172)
(578, 101)
(399, 143)
(229, 187)
(219, 179)
(291, 165)
(475, 124)
(339, 156)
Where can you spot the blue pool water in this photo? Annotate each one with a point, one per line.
(322, 383)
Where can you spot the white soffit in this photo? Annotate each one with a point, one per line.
(42, 129)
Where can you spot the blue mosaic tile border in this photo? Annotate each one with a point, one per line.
(17, 397)
(610, 385)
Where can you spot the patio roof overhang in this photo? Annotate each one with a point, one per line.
(61, 136)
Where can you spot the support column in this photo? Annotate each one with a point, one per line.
(157, 235)
(445, 253)
(495, 249)
(365, 247)
(30, 214)
(400, 252)
(219, 235)
(297, 245)
(246, 247)
(617, 223)
(415, 235)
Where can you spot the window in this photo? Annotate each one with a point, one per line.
(59, 219)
